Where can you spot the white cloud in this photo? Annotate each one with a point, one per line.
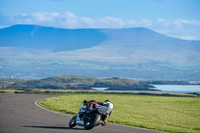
(160, 20)
(44, 16)
(89, 22)
(183, 22)
(112, 21)
(24, 14)
(140, 23)
(70, 19)
(188, 37)
(146, 22)
(70, 15)
(66, 20)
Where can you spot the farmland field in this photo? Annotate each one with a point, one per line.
(162, 113)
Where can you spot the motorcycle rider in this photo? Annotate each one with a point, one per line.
(105, 108)
(106, 105)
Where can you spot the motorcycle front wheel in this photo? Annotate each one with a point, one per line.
(72, 122)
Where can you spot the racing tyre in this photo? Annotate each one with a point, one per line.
(93, 122)
(72, 122)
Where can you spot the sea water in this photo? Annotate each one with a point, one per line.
(167, 88)
(178, 88)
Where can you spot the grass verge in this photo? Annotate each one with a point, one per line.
(169, 114)
(63, 92)
(12, 91)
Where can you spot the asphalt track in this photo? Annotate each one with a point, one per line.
(19, 114)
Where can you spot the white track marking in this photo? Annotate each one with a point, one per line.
(36, 103)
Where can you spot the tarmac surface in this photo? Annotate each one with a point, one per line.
(20, 114)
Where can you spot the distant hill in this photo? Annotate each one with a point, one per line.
(49, 38)
(78, 83)
(139, 45)
(31, 51)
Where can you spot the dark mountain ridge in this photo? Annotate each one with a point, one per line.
(40, 37)
(55, 39)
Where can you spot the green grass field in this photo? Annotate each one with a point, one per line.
(169, 114)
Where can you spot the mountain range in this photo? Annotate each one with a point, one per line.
(129, 52)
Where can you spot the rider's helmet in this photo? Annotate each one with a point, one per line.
(107, 101)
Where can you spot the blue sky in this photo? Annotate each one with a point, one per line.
(175, 18)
